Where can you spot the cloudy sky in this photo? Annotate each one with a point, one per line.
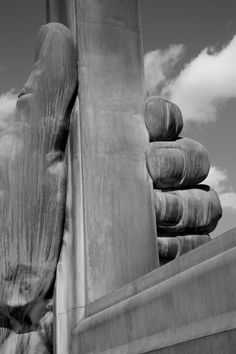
(190, 56)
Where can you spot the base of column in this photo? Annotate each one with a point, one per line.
(186, 306)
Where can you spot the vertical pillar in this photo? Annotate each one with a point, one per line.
(113, 234)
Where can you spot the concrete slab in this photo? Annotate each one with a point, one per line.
(216, 246)
(189, 311)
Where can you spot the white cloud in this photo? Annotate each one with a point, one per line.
(206, 81)
(158, 65)
(228, 200)
(7, 107)
(218, 179)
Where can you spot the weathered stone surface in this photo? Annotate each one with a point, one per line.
(111, 238)
(45, 327)
(27, 343)
(163, 119)
(218, 343)
(33, 181)
(177, 164)
(39, 341)
(4, 333)
(172, 247)
(111, 141)
(192, 305)
(220, 244)
(196, 210)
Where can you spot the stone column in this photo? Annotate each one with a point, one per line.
(112, 239)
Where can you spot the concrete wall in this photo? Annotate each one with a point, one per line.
(119, 227)
(190, 311)
(110, 237)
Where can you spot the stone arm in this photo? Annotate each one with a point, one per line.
(33, 188)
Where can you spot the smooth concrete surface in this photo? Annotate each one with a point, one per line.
(118, 213)
(219, 343)
(62, 11)
(70, 294)
(194, 304)
(201, 254)
(110, 237)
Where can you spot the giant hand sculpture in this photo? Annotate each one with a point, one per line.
(186, 212)
(33, 182)
(33, 190)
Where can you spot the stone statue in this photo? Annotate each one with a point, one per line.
(33, 190)
(186, 211)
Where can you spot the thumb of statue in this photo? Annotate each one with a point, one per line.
(33, 181)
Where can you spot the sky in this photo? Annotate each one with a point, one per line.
(190, 55)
